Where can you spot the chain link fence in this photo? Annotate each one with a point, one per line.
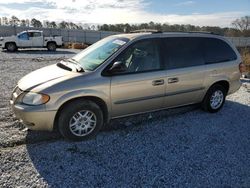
(69, 35)
(240, 41)
(90, 37)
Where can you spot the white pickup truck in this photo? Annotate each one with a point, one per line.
(30, 39)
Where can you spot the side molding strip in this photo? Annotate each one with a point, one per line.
(158, 96)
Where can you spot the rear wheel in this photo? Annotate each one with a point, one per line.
(51, 46)
(80, 120)
(11, 47)
(214, 99)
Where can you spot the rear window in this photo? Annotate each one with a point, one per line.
(216, 51)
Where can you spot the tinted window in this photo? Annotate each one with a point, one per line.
(141, 56)
(180, 52)
(23, 36)
(36, 34)
(216, 51)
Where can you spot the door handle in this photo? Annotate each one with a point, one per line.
(173, 80)
(158, 82)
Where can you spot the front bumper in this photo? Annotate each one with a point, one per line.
(34, 117)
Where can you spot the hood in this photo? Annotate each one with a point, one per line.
(13, 37)
(42, 76)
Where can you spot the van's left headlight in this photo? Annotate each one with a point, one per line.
(32, 98)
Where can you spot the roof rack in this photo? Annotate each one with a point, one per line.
(146, 31)
(201, 32)
(153, 31)
(204, 32)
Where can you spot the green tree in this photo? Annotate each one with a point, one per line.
(23, 23)
(243, 25)
(36, 23)
(5, 21)
(14, 21)
(104, 27)
(63, 25)
(52, 24)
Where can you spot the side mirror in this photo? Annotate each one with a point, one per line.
(117, 67)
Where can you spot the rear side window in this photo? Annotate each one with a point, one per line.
(216, 51)
(37, 34)
(181, 52)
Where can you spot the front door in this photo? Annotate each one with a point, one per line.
(141, 87)
(24, 40)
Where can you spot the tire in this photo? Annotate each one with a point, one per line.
(80, 120)
(214, 99)
(11, 47)
(51, 46)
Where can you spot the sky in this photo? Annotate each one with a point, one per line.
(196, 12)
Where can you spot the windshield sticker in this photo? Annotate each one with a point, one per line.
(119, 42)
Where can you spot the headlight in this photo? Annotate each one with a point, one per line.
(31, 98)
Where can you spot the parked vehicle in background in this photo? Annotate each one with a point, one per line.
(128, 74)
(30, 39)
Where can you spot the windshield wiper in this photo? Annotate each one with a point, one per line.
(78, 65)
(61, 65)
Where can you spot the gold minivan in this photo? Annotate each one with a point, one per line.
(128, 74)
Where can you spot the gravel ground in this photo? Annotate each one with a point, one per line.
(184, 147)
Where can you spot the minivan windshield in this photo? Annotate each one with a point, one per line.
(96, 54)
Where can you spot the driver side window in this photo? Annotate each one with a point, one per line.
(141, 57)
(24, 36)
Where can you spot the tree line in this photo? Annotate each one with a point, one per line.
(239, 27)
(14, 21)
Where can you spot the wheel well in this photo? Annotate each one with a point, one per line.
(51, 42)
(223, 83)
(9, 43)
(96, 100)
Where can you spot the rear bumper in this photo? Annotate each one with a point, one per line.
(34, 117)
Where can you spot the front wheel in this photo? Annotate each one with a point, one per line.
(214, 99)
(11, 47)
(80, 120)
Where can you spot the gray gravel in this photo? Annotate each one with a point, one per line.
(14, 66)
(185, 147)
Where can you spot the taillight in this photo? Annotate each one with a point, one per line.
(242, 67)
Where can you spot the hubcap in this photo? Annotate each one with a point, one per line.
(11, 47)
(216, 99)
(51, 47)
(82, 123)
